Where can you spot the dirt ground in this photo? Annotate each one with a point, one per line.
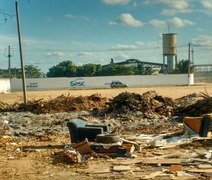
(49, 162)
(166, 91)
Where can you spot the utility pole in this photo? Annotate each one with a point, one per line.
(189, 62)
(192, 55)
(9, 62)
(21, 54)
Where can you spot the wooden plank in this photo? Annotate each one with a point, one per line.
(127, 162)
(204, 166)
(121, 168)
(162, 161)
(200, 170)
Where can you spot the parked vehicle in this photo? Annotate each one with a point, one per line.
(117, 84)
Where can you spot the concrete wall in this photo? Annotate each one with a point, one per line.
(203, 77)
(100, 82)
(4, 85)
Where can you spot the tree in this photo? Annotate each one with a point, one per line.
(140, 70)
(33, 72)
(98, 70)
(86, 70)
(125, 70)
(113, 70)
(63, 69)
(182, 66)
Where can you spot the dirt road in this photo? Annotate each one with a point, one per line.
(167, 91)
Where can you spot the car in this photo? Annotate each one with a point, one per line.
(117, 84)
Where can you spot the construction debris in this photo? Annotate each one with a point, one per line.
(150, 138)
(149, 104)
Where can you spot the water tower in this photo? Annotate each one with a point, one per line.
(169, 52)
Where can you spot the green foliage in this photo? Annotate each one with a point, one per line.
(68, 69)
(113, 70)
(86, 70)
(63, 69)
(33, 72)
(182, 66)
(141, 70)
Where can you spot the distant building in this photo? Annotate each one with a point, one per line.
(136, 63)
(153, 68)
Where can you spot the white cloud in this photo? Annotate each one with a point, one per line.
(74, 17)
(140, 43)
(57, 54)
(174, 22)
(176, 4)
(70, 16)
(85, 54)
(207, 4)
(202, 40)
(172, 7)
(127, 19)
(158, 23)
(116, 2)
(125, 47)
(8, 39)
(199, 29)
(121, 57)
(171, 12)
(178, 23)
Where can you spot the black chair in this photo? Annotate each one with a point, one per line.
(205, 125)
(79, 130)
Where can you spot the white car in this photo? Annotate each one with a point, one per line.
(117, 84)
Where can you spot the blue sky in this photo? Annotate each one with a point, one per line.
(94, 31)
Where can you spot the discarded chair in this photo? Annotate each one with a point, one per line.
(198, 125)
(79, 130)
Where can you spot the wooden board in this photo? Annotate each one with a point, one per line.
(200, 170)
(121, 168)
(162, 161)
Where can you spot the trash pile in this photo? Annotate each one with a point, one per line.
(199, 108)
(144, 156)
(143, 142)
(59, 104)
(150, 104)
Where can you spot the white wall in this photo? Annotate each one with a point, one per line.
(4, 85)
(100, 82)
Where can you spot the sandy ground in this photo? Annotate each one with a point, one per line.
(167, 91)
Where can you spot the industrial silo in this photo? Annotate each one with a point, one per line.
(169, 51)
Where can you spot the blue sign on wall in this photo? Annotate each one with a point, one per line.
(32, 85)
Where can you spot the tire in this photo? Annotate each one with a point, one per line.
(107, 138)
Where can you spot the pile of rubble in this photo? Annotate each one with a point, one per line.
(199, 108)
(150, 104)
(59, 104)
(150, 145)
(147, 103)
